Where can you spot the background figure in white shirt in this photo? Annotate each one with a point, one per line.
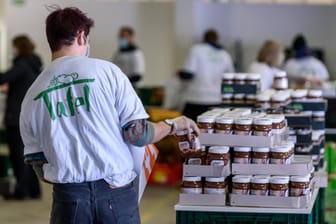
(269, 58)
(304, 67)
(129, 58)
(203, 70)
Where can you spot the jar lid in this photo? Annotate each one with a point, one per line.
(253, 76)
(241, 179)
(192, 179)
(260, 179)
(263, 97)
(262, 121)
(228, 75)
(183, 132)
(299, 179)
(239, 96)
(315, 93)
(244, 121)
(261, 149)
(242, 149)
(215, 179)
(279, 176)
(279, 180)
(318, 113)
(227, 95)
(251, 96)
(224, 120)
(281, 149)
(279, 97)
(206, 119)
(276, 118)
(300, 93)
(240, 76)
(219, 149)
(280, 74)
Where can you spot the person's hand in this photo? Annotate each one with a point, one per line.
(183, 123)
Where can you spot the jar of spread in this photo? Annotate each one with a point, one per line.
(291, 147)
(218, 156)
(195, 158)
(262, 126)
(263, 101)
(243, 126)
(185, 145)
(280, 81)
(280, 155)
(240, 78)
(318, 115)
(227, 98)
(242, 155)
(315, 94)
(192, 185)
(241, 184)
(299, 94)
(279, 186)
(253, 79)
(239, 98)
(278, 123)
(260, 185)
(228, 78)
(299, 186)
(250, 99)
(260, 155)
(278, 100)
(206, 123)
(215, 185)
(224, 125)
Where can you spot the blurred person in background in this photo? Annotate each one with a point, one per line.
(16, 81)
(304, 68)
(269, 59)
(130, 58)
(203, 70)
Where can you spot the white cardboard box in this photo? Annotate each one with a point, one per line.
(302, 165)
(206, 171)
(203, 199)
(270, 201)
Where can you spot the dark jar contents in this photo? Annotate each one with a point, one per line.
(240, 78)
(299, 186)
(218, 156)
(215, 185)
(241, 184)
(260, 155)
(192, 185)
(280, 155)
(243, 126)
(195, 158)
(185, 145)
(228, 78)
(280, 81)
(278, 123)
(206, 124)
(242, 155)
(262, 127)
(279, 186)
(260, 185)
(224, 125)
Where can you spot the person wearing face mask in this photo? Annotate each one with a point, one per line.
(129, 58)
(16, 81)
(304, 67)
(269, 59)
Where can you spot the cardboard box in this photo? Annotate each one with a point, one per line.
(236, 88)
(301, 165)
(206, 171)
(299, 120)
(203, 199)
(309, 105)
(270, 201)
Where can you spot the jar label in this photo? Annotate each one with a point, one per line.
(240, 191)
(242, 160)
(262, 133)
(259, 192)
(207, 130)
(260, 161)
(279, 193)
(184, 146)
(194, 161)
(226, 132)
(192, 190)
(296, 192)
(281, 161)
(217, 163)
(209, 190)
(195, 143)
(242, 132)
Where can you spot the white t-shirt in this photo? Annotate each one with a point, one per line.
(306, 67)
(74, 113)
(207, 64)
(266, 72)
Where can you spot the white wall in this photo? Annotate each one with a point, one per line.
(254, 23)
(153, 23)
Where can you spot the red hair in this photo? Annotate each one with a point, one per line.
(63, 25)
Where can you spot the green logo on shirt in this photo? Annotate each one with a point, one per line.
(68, 107)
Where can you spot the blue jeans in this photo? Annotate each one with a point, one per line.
(94, 202)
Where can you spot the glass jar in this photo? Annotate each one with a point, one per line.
(279, 186)
(185, 145)
(299, 186)
(240, 78)
(280, 155)
(318, 116)
(239, 98)
(278, 123)
(315, 94)
(241, 184)
(215, 185)
(260, 155)
(242, 155)
(250, 99)
(263, 101)
(192, 185)
(218, 156)
(280, 81)
(278, 100)
(206, 123)
(253, 79)
(224, 125)
(262, 126)
(228, 78)
(227, 98)
(260, 185)
(243, 126)
(299, 94)
(195, 158)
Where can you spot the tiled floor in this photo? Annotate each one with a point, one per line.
(157, 204)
